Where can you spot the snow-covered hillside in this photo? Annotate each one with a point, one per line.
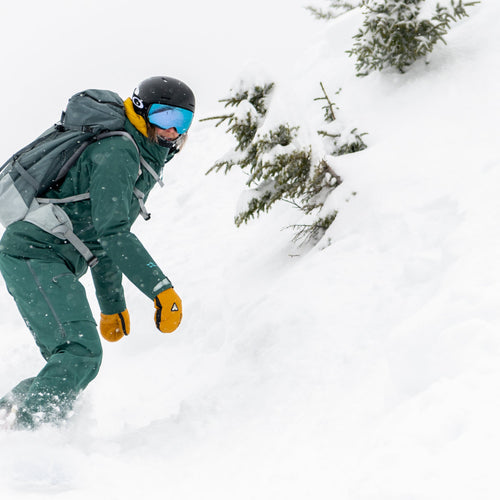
(365, 369)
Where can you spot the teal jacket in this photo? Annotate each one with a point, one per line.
(109, 170)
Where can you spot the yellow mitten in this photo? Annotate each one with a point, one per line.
(114, 326)
(168, 312)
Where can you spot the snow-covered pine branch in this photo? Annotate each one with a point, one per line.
(396, 33)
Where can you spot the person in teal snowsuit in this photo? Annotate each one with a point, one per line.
(42, 271)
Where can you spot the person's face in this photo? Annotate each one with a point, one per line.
(169, 134)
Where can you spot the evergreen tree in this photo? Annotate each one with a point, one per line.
(279, 168)
(341, 141)
(396, 33)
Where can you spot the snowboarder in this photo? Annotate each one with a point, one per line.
(42, 272)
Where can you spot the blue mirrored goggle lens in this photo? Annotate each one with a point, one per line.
(166, 117)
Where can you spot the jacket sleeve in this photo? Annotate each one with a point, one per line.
(114, 171)
(108, 286)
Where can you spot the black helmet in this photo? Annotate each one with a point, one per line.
(162, 90)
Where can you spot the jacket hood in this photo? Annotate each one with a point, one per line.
(137, 121)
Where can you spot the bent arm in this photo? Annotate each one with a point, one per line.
(108, 286)
(115, 170)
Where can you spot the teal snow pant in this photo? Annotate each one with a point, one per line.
(54, 306)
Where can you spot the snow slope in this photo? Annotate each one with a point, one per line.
(366, 368)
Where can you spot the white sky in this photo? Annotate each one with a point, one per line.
(67, 45)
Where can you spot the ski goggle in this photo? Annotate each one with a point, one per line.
(166, 117)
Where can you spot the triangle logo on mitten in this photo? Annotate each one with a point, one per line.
(174, 307)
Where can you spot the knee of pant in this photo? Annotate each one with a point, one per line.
(75, 364)
(81, 349)
(82, 354)
(82, 339)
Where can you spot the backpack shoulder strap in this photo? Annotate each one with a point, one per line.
(144, 163)
(138, 194)
(65, 228)
(153, 174)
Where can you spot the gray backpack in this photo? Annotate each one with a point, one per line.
(90, 116)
